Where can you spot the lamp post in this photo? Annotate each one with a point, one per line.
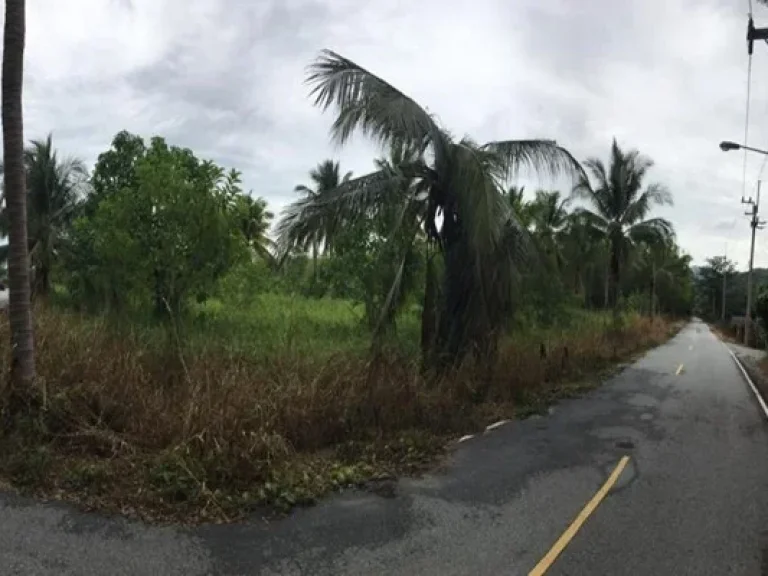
(727, 145)
(754, 223)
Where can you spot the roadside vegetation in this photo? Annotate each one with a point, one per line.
(721, 299)
(198, 357)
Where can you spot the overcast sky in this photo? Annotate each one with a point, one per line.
(225, 78)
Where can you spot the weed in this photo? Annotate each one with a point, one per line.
(128, 427)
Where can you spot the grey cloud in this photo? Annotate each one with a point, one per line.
(225, 78)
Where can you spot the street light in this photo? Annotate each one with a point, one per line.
(727, 145)
(754, 223)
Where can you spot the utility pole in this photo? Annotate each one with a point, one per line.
(754, 223)
(725, 274)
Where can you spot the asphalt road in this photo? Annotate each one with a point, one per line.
(693, 498)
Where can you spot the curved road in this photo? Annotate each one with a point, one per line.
(691, 499)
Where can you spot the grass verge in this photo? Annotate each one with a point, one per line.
(122, 424)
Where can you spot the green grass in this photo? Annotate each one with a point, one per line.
(291, 325)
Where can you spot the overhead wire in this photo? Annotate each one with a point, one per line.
(746, 125)
(746, 115)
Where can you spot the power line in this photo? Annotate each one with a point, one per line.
(746, 123)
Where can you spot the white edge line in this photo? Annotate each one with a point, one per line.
(495, 425)
(749, 381)
(465, 438)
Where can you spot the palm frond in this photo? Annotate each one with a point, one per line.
(368, 103)
(652, 231)
(600, 195)
(316, 218)
(265, 253)
(655, 194)
(591, 220)
(543, 156)
(481, 204)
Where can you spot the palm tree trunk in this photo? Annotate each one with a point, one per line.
(428, 314)
(314, 263)
(19, 310)
(614, 276)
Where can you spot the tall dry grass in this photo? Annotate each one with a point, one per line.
(132, 425)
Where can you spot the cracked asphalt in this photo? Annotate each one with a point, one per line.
(693, 498)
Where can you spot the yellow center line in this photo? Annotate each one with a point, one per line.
(679, 370)
(546, 562)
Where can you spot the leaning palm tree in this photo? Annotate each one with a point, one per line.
(620, 207)
(20, 314)
(55, 190)
(399, 221)
(325, 178)
(458, 191)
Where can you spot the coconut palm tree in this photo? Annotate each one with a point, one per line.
(399, 222)
(620, 206)
(253, 220)
(325, 177)
(458, 190)
(56, 188)
(20, 314)
(550, 217)
(520, 207)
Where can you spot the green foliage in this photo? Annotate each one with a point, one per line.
(709, 289)
(761, 305)
(309, 346)
(434, 230)
(55, 190)
(276, 324)
(620, 208)
(482, 243)
(162, 226)
(252, 219)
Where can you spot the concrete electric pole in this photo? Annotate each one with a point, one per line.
(725, 275)
(754, 223)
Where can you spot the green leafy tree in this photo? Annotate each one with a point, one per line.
(709, 289)
(479, 237)
(761, 306)
(115, 169)
(667, 275)
(170, 234)
(620, 206)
